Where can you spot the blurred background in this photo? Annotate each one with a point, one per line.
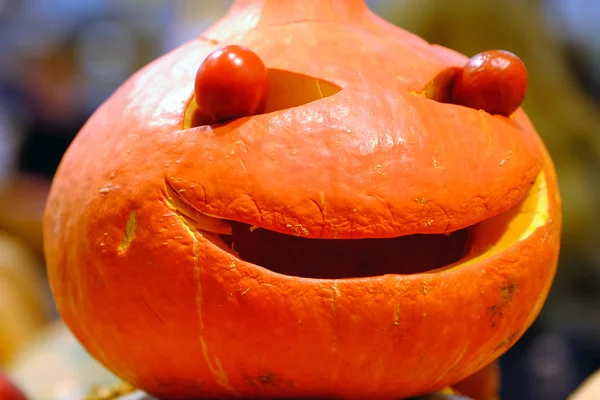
(59, 59)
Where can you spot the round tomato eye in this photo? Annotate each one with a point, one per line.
(494, 81)
(232, 82)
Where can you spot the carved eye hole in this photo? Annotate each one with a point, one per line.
(233, 82)
(494, 81)
(290, 89)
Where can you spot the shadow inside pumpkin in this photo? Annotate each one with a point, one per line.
(440, 87)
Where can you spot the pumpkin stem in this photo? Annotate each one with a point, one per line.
(249, 14)
(286, 11)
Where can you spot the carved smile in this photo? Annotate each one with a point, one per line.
(353, 258)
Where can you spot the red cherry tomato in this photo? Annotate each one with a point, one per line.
(232, 82)
(8, 391)
(494, 81)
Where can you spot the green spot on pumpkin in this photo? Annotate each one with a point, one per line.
(130, 228)
(507, 291)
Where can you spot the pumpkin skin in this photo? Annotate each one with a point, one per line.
(151, 291)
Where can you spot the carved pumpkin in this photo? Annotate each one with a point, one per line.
(359, 237)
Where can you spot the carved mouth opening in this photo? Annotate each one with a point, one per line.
(344, 258)
(354, 258)
(323, 258)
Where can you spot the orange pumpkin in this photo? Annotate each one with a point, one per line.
(359, 238)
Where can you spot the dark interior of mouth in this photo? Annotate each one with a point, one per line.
(345, 258)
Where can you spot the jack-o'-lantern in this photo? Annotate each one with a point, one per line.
(359, 235)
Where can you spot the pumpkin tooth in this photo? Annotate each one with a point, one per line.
(197, 219)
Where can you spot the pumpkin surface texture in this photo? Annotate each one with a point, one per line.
(363, 236)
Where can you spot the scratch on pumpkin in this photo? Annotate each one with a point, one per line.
(335, 295)
(216, 368)
(507, 341)
(323, 203)
(319, 89)
(396, 314)
(152, 310)
(322, 212)
(130, 228)
(334, 341)
(454, 364)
